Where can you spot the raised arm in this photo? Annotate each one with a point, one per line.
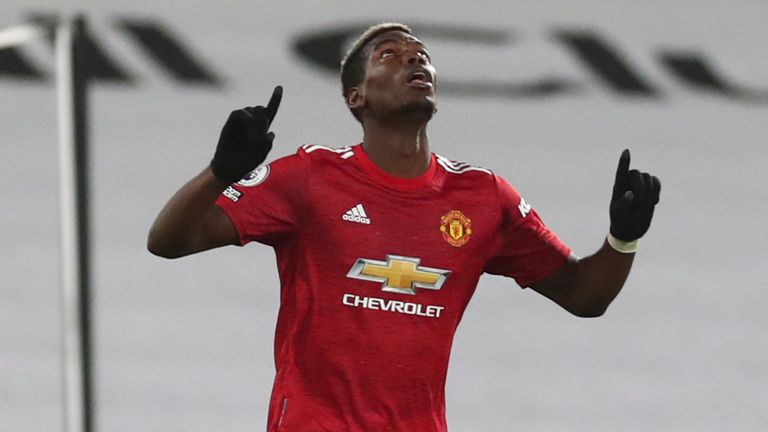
(586, 286)
(191, 222)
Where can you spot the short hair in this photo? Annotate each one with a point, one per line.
(353, 63)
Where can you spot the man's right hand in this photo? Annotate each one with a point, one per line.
(245, 140)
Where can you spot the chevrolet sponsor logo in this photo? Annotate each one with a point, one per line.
(407, 308)
(399, 274)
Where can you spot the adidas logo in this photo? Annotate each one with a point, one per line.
(356, 214)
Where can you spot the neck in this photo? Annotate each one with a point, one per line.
(397, 148)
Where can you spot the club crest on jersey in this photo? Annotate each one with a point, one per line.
(255, 177)
(456, 228)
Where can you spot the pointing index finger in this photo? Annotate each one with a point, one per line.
(622, 174)
(623, 168)
(274, 102)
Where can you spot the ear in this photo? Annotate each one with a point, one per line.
(355, 98)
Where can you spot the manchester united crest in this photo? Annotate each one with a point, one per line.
(456, 228)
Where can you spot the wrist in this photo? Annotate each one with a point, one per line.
(622, 246)
(215, 178)
(222, 172)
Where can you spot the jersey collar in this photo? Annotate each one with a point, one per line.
(393, 181)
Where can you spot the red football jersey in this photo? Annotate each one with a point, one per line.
(376, 272)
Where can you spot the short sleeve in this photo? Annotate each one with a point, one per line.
(525, 249)
(269, 203)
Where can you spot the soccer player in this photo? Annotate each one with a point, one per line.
(380, 245)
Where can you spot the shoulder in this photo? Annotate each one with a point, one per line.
(304, 158)
(321, 158)
(462, 168)
(480, 180)
(462, 173)
(294, 165)
(321, 152)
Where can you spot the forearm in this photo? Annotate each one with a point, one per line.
(180, 227)
(586, 286)
(599, 278)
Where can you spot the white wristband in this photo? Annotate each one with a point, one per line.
(621, 245)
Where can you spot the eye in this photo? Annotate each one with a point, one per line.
(387, 53)
(425, 55)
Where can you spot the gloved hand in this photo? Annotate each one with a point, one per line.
(245, 140)
(635, 195)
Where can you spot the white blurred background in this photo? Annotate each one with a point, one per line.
(186, 345)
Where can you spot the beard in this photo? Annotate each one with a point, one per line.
(413, 110)
(419, 110)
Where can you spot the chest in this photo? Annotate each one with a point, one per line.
(449, 228)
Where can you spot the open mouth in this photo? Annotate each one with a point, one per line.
(420, 79)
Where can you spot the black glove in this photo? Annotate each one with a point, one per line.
(635, 194)
(245, 140)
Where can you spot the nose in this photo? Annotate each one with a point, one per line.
(416, 56)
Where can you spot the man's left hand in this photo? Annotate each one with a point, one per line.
(635, 195)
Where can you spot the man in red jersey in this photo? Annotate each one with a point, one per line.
(380, 245)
